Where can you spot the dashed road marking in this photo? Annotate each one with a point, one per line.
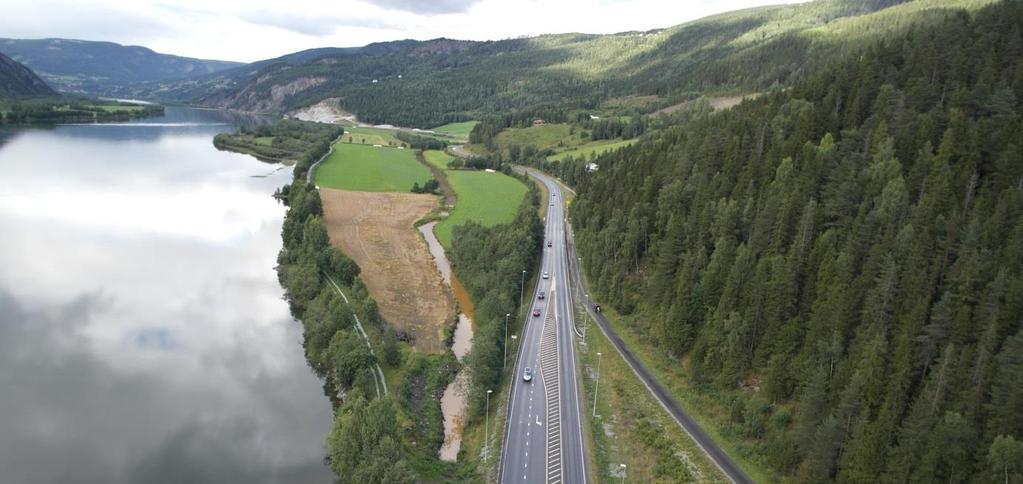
(552, 386)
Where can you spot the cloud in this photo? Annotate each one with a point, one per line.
(315, 26)
(428, 7)
(60, 18)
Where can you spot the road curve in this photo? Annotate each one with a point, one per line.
(543, 438)
(720, 459)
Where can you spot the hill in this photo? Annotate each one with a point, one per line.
(102, 68)
(837, 268)
(428, 83)
(17, 80)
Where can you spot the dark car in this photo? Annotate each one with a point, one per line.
(536, 313)
(596, 307)
(541, 295)
(528, 374)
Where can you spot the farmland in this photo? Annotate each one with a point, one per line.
(365, 168)
(458, 131)
(375, 230)
(370, 136)
(485, 197)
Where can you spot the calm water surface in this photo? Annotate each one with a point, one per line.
(143, 337)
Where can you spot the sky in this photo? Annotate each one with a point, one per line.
(250, 30)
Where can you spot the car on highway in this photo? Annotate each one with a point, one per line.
(541, 295)
(549, 244)
(528, 374)
(546, 275)
(536, 313)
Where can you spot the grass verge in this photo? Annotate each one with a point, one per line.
(630, 426)
(709, 408)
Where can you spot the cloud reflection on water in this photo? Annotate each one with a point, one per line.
(142, 333)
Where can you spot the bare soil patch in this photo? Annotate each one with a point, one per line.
(376, 230)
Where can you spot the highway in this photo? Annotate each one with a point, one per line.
(728, 467)
(543, 438)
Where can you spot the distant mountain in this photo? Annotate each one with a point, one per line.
(102, 68)
(16, 80)
(207, 89)
(427, 83)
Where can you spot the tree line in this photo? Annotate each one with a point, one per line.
(71, 110)
(490, 261)
(841, 263)
(303, 142)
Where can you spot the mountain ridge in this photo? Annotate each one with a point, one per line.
(748, 50)
(100, 67)
(17, 80)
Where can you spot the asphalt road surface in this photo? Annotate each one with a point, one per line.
(543, 439)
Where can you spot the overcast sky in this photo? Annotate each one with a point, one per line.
(249, 30)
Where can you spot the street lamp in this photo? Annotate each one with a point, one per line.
(486, 426)
(505, 359)
(623, 472)
(522, 286)
(596, 385)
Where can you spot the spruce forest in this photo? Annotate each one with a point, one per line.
(847, 252)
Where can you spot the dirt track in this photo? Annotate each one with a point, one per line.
(375, 229)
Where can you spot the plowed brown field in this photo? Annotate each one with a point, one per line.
(375, 230)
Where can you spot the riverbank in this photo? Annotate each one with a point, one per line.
(453, 403)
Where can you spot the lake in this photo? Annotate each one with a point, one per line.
(143, 334)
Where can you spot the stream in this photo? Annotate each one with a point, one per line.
(452, 403)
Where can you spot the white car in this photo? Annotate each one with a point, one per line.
(528, 374)
(546, 275)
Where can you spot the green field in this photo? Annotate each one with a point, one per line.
(364, 168)
(552, 136)
(592, 149)
(484, 197)
(456, 130)
(370, 136)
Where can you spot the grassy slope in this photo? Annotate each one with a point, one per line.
(593, 148)
(456, 130)
(369, 169)
(487, 198)
(540, 137)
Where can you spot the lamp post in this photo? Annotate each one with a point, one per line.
(623, 472)
(522, 286)
(504, 361)
(486, 426)
(596, 385)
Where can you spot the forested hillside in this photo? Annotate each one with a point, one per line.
(102, 68)
(425, 84)
(847, 253)
(17, 80)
